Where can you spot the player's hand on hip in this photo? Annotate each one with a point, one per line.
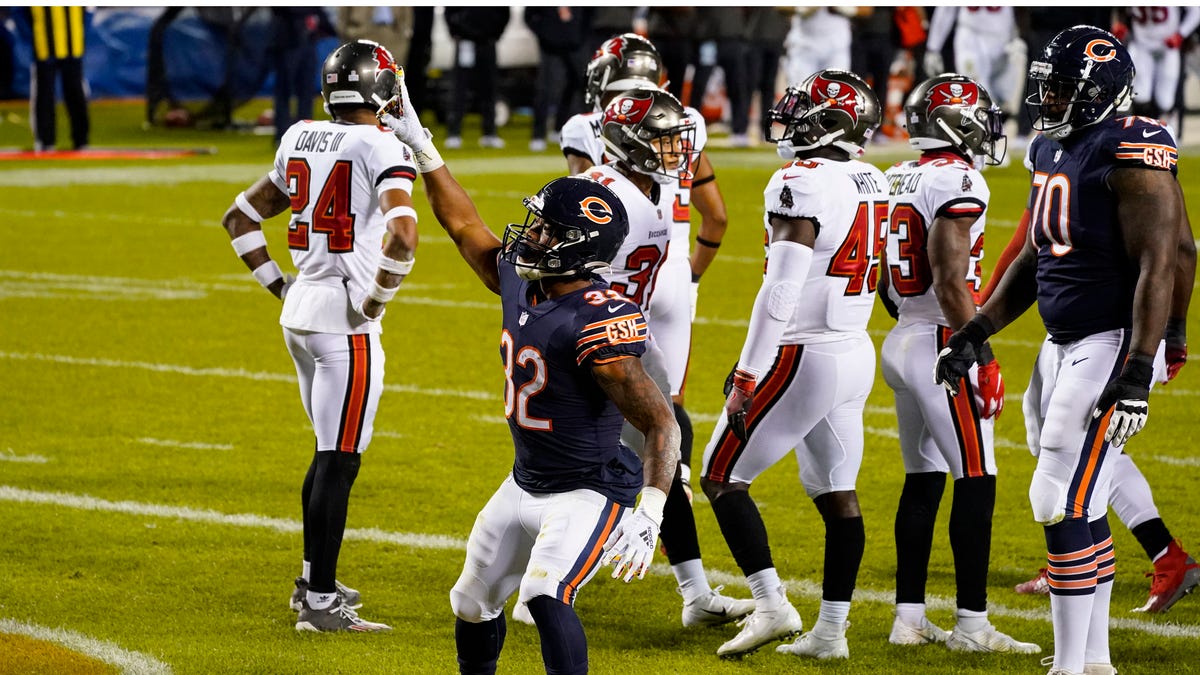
(288, 280)
(631, 545)
(739, 392)
(991, 385)
(1127, 395)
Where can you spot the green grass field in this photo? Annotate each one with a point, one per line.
(152, 443)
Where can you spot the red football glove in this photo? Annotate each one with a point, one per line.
(1176, 359)
(741, 397)
(1174, 42)
(991, 385)
(1120, 31)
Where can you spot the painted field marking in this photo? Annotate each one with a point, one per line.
(186, 445)
(444, 542)
(129, 662)
(1176, 461)
(10, 456)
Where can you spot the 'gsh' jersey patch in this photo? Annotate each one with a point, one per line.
(1085, 277)
(565, 429)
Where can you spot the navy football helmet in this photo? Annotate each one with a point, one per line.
(1083, 75)
(650, 132)
(361, 74)
(954, 111)
(622, 62)
(831, 107)
(573, 229)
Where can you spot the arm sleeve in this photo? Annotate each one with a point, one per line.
(787, 268)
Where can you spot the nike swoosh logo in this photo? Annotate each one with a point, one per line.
(613, 309)
(723, 612)
(1146, 133)
(787, 177)
(1079, 361)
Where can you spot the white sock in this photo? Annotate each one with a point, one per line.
(321, 600)
(766, 588)
(831, 622)
(911, 613)
(1160, 554)
(1097, 637)
(972, 621)
(693, 582)
(307, 570)
(1072, 615)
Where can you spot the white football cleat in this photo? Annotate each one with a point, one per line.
(763, 626)
(715, 609)
(926, 633)
(811, 644)
(988, 639)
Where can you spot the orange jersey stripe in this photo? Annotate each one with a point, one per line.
(356, 395)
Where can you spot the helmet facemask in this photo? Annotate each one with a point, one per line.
(541, 249)
(832, 108)
(651, 134)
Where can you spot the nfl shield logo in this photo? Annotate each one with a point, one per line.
(524, 317)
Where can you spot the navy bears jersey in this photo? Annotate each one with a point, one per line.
(1085, 278)
(565, 428)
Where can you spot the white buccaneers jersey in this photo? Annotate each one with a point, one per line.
(334, 173)
(581, 136)
(938, 184)
(1151, 26)
(635, 267)
(848, 200)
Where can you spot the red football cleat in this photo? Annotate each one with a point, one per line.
(1175, 575)
(1039, 585)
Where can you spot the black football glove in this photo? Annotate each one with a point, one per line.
(961, 352)
(1128, 396)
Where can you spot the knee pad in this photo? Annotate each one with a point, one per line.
(468, 600)
(539, 584)
(1048, 497)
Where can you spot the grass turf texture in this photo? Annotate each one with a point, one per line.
(143, 367)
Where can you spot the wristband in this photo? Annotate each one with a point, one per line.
(701, 181)
(268, 273)
(652, 503)
(399, 212)
(1139, 368)
(984, 354)
(708, 243)
(428, 159)
(246, 207)
(393, 266)
(1176, 332)
(382, 294)
(978, 330)
(252, 240)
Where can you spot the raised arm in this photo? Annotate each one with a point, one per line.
(243, 221)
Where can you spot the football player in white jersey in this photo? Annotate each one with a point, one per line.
(987, 48)
(666, 287)
(932, 279)
(352, 234)
(626, 62)
(808, 364)
(1155, 40)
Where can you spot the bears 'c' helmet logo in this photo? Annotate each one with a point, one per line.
(1106, 51)
(596, 210)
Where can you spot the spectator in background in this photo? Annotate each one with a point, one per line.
(391, 27)
(874, 46)
(1155, 38)
(561, 33)
(987, 48)
(766, 29)
(7, 62)
(158, 86)
(720, 42)
(58, 43)
(294, 35)
(909, 49)
(819, 39)
(475, 31)
(672, 30)
(419, 48)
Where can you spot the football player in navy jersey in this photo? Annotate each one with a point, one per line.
(570, 347)
(1104, 214)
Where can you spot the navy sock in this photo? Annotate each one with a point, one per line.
(845, 540)
(564, 645)
(971, 538)
(479, 645)
(678, 533)
(744, 531)
(334, 476)
(1154, 536)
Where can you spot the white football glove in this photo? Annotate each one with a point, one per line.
(631, 545)
(934, 64)
(407, 127)
(288, 280)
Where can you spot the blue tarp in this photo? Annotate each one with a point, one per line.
(195, 53)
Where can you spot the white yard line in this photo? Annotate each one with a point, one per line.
(128, 662)
(11, 456)
(236, 373)
(186, 445)
(804, 587)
